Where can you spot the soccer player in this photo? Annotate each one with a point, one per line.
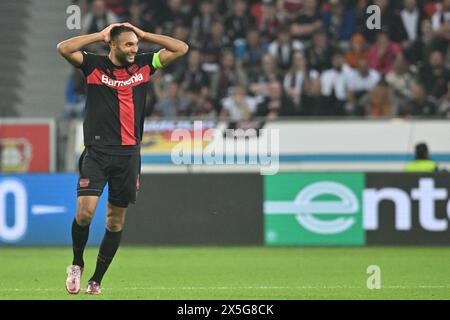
(112, 128)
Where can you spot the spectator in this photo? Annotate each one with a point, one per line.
(409, 31)
(441, 23)
(193, 78)
(266, 19)
(339, 22)
(152, 97)
(312, 100)
(362, 83)
(444, 103)
(379, 102)
(259, 83)
(223, 6)
(431, 6)
(289, 9)
(98, 18)
(277, 104)
(292, 5)
(75, 95)
(401, 79)
(282, 49)
(383, 53)
(205, 108)
(425, 45)
(202, 23)
(336, 87)
(360, 13)
(249, 53)
(358, 51)
(138, 13)
(297, 78)
(419, 104)
(228, 76)
(435, 75)
(307, 22)
(364, 78)
(238, 106)
(169, 14)
(214, 44)
(119, 8)
(320, 53)
(182, 32)
(239, 22)
(172, 103)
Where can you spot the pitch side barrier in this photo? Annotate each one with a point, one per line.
(357, 209)
(287, 209)
(284, 145)
(27, 145)
(197, 209)
(305, 209)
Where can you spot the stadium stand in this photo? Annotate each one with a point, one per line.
(251, 44)
(263, 37)
(44, 75)
(12, 13)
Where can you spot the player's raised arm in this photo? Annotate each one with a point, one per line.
(173, 48)
(70, 49)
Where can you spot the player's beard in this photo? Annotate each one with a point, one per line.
(122, 58)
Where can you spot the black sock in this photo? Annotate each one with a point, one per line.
(108, 249)
(80, 237)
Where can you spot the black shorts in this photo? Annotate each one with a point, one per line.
(121, 172)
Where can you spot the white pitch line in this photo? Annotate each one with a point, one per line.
(236, 288)
(283, 288)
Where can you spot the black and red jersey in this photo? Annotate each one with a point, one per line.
(115, 103)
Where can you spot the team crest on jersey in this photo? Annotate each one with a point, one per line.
(133, 68)
(84, 183)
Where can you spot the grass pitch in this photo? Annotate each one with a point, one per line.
(232, 273)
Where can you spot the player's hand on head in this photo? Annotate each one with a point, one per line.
(106, 32)
(139, 32)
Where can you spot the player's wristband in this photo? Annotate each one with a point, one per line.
(156, 62)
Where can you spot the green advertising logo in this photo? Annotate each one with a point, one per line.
(314, 209)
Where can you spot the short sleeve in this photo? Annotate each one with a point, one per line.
(89, 62)
(151, 59)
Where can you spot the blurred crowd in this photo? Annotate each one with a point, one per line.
(287, 58)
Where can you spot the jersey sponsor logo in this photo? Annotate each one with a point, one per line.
(120, 83)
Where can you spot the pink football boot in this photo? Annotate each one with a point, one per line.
(93, 288)
(73, 282)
